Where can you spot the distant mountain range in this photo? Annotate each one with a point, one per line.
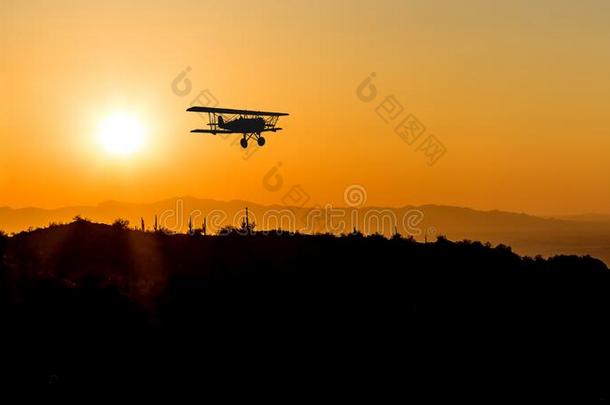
(526, 234)
(591, 217)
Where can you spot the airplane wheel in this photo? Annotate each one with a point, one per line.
(243, 143)
(261, 141)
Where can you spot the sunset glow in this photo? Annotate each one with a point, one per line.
(121, 134)
(521, 134)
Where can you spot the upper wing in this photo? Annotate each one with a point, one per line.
(232, 111)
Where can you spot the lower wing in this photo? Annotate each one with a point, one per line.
(224, 131)
(212, 131)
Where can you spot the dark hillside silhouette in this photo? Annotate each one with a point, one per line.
(103, 306)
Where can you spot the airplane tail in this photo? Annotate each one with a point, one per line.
(221, 121)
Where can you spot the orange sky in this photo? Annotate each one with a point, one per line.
(518, 94)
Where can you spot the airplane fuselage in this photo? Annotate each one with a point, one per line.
(244, 125)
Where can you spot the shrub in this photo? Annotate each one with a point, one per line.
(120, 223)
(81, 219)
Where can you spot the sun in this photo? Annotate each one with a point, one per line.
(121, 134)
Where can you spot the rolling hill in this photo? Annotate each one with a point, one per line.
(102, 307)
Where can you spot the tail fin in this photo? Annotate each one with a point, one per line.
(221, 121)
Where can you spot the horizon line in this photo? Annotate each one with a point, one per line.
(238, 200)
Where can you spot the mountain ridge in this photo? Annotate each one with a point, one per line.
(528, 234)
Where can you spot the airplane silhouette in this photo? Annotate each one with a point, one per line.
(251, 124)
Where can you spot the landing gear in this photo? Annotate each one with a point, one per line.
(256, 136)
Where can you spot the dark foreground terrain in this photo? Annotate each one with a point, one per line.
(99, 307)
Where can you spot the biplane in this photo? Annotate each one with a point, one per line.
(250, 124)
